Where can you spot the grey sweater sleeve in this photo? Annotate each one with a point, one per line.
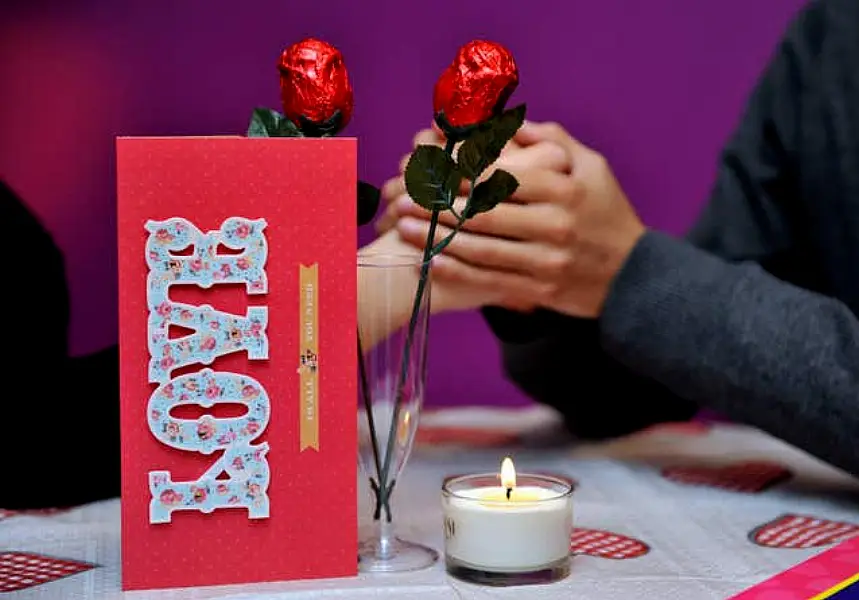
(731, 318)
(741, 341)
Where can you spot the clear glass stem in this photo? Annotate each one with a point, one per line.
(386, 539)
(382, 506)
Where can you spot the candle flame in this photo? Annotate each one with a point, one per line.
(508, 473)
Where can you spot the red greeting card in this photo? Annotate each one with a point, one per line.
(237, 303)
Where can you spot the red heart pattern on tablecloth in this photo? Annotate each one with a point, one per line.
(690, 428)
(22, 570)
(470, 436)
(606, 544)
(39, 512)
(749, 477)
(802, 531)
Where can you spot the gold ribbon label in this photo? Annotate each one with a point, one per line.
(309, 358)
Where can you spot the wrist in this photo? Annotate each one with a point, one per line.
(626, 245)
(624, 248)
(614, 254)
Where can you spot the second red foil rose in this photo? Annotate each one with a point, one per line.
(476, 85)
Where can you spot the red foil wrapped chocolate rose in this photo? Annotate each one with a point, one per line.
(314, 84)
(469, 102)
(315, 91)
(475, 86)
(317, 102)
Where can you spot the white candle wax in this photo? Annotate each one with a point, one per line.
(487, 531)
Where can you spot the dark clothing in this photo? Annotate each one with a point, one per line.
(755, 315)
(60, 415)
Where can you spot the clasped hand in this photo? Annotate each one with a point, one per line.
(558, 243)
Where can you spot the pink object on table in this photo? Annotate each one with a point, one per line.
(822, 576)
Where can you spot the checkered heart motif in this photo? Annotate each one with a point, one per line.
(470, 436)
(605, 544)
(22, 570)
(690, 428)
(41, 512)
(747, 477)
(802, 531)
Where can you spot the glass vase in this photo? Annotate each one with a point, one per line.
(393, 324)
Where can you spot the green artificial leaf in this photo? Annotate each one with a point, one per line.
(287, 128)
(270, 123)
(432, 178)
(368, 202)
(488, 194)
(484, 146)
(264, 123)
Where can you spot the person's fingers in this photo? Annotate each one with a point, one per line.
(542, 186)
(527, 134)
(542, 171)
(432, 137)
(404, 161)
(535, 186)
(510, 290)
(545, 222)
(516, 303)
(545, 155)
(483, 251)
(387, 220)
(405, 206)
(391, 190)
(542, 155)
(519, 161)
(533, 133)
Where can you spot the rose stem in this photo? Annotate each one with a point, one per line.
(368, 406)
(460, 221)
(385, 489)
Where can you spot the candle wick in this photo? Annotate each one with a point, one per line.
(509, 491)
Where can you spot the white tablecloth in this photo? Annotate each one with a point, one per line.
(698, 536)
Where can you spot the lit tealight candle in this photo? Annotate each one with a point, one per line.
(512, 533)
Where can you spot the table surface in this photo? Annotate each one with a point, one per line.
(678, 511)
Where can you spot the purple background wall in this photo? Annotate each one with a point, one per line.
(656, 85)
